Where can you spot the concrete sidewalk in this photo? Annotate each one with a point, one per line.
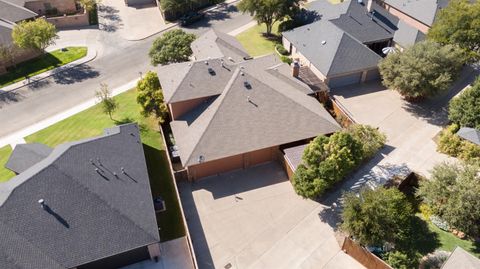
(91, 55)
(13, 139)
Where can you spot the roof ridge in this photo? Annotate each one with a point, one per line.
(190, 65)
(20, 7)
(220, 101)
(294, 100)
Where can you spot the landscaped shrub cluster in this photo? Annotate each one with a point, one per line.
(173, 9)
(286, 59)
(327, 160)
(451, 144)
(280, 49)
(464, 109)
(453, 194)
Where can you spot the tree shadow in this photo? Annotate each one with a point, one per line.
(141, 126)
(111, 19)
(220, 14)
(8, 97)
(75, 74)
(38, 84)
(420, 238)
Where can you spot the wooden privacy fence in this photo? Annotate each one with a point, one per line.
(363, 256)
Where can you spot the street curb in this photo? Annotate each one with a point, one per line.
(49, 73)
(173, 24)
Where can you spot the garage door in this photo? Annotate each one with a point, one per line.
(345, 80)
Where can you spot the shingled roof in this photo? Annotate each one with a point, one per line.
(216, 44)
(461, 259)
(14, 13)
(25, 156)
(470, 134)
(422, 10)
(256, 109)
(88, 213)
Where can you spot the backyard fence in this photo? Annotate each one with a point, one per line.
(363, 256)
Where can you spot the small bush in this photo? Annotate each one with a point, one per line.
(440, 223)
(93, 16)
(449, 143)
(426, 212)
(469, 151)
(400, 260)
(286, 60)
(280, 49)
(435, 260)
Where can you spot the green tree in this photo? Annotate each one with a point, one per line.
(401, 260)
(459, 24)
(453, 194)
(372, 139)
(423, 70)
(150, 97)
(176, 6)
(108, 103)
(37, 34)
(326, 160)
(89, 5)
(8, 52)
(376, 217)
(172, 47)
(464, 109)
(270, 11)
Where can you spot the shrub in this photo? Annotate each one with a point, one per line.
(286, 59)
(435, 260)
(400, 260)
(437, 221)
(426, 212)
(448, 142)
(464, 109)
(280, 49)
(469, 151)
(372, 139)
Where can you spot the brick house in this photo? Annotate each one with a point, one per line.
(228, 113)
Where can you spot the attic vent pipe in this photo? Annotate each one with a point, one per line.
(41, 202)
(324, 42)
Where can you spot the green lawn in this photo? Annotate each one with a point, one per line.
(5, 174)
(42, 63)
(255, 43)
(448, 241)
(91, 122)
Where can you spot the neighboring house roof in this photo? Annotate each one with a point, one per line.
(266, 112)
(25, 156)
(367, 27)
(407, 35)
(424, 11)
(331, 50)
(470, 134)
(215, 44)
(15, 13)
(461, 259)
(89, 213)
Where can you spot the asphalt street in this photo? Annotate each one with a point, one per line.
(118, 62)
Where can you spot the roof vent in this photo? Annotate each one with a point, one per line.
(324, 42)
(211, 71)
(201, 159)
(242, 74)
(41, 202)
(206, 62)
(231, 59)
(248, 99)
(247, 85)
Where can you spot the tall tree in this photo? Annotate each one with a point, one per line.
(464, 109)
(150, 97)
(172, 47)
(270, 11)
(459, 24)
(376, 217)
(108, 103)
(176, 6)
(423, 70)
(453, 194)
(37, 34)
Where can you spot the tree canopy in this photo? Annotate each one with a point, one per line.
(108, 103)
(453, 194)
(376, 217)
(150, 97)
(464, 109)
(37, 34)
(372, 139)
(270, 11)
(89, 4)
(172, 47)
(459, 24)
(423, 70)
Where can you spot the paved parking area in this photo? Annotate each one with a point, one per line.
(253, 219)
(410, 127)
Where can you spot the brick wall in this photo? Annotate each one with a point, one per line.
(70, 21)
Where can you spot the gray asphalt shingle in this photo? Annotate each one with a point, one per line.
(88, 214)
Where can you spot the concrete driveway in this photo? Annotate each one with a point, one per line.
(253, 219)
(131, 22)
(410, 127)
